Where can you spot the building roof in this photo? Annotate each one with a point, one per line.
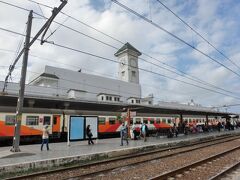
(127, 46)
(49, 75)
(77, 90)
(59, 103)
(134, 98)
(116, 95)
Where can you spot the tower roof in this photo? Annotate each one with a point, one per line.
(127, 47)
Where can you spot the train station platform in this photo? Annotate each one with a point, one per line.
(31, 158)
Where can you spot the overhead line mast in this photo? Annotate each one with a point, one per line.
(25, 50)
(44, 28)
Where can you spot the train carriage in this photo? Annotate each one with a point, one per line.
(108, 125)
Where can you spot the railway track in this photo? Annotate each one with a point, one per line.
(94, 169)
(228, 171)
(195, 168)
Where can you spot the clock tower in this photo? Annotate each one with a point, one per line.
(128, 63)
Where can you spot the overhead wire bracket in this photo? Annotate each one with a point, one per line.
(54, 14)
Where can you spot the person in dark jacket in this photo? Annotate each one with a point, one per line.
(219, 126)
(89, 135)
(124, 134)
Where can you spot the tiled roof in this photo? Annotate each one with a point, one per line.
(127, 46)
(49, 75)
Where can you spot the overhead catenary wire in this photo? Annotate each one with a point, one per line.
(145, 70)
(74, 66)
(87, 70)
(115, 61)
(190, 77)
(107, 44)
(184, 22)
(82, 83)
(173, 35)
(43, 30)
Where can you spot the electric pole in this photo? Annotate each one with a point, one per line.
(25, 50)
(16, 138)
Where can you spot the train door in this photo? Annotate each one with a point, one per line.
(56, 123)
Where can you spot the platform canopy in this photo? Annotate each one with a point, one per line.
(71, 104)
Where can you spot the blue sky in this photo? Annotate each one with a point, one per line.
(217, 21)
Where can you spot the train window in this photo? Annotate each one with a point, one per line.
(32, 120)
(54, 120)
(10, 119)
(112, 121)
(158, 121)
(138, 120)
(101, 120)
(151, 121)
(164, 120)
(169, 121)
(145, 120)
(47, 120)
(190, 120)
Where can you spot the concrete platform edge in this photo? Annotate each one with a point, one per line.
(86, 158)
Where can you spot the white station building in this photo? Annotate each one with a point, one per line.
(64, 84)
(78, 85)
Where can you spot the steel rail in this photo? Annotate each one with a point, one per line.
(127, 157)
(195, 164)
(225, 171)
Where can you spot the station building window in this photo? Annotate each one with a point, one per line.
(110, 98)
(138, 101)
(101, 120)
(133, 74)
(112, 121)
(132, 101)
(32, 120)
(10, 120)
(102, 98)
(47, 120)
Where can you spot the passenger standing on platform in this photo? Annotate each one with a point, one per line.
(45, 137)
(140, 130)
(219, 125)
(175, 129)
(89, 135)
(144, 131)
(123, 134)
(134, 131)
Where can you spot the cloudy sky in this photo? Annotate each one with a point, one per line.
(179, 73)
